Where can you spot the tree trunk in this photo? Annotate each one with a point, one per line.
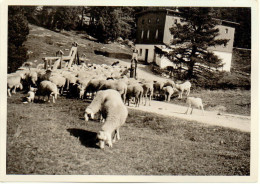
(191, 63)
(190, 70)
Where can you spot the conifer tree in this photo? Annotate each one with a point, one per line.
(17, 34)
(193, 36)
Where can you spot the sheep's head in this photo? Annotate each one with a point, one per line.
(88, 113)
(20, 86)
(33, 89)
(81, 90)
(55, 94)
(104, 138)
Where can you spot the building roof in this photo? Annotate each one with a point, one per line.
(152, 10)
(178, 13)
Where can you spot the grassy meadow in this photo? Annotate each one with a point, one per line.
(53, 139)
(46, 138)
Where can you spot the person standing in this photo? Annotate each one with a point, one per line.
(134, 62)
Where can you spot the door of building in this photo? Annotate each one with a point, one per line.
(146, 55)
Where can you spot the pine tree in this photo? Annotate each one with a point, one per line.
(192, 38)
(17, 34)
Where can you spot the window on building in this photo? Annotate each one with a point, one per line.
(149, 20)
(157, 20)
(142, 34)
(148, 32)
(141, 51)
(156, 34)
(226, 30)
(143, 21)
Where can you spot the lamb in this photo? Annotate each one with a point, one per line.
(148, 91)
(47, 88)
(168, 92)
(195, 102)
(120, 86)
(113, 110)
(31, 96)
(184, 87)
(136, 91)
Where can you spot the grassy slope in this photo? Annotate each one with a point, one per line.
(46, 138)
(43, 42)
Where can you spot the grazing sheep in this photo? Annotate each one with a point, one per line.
(169, 83)
(119, 86)
(183, 87)
(32, 77)
(113, 110)
(13, 82)
(70, 80)
(59, 80)
(44, 76)
(148, 91)
(136, 91)
(168, 92)
(158, 85)
(47, 88)
(82, 86)
(194, 102)
(94, 85)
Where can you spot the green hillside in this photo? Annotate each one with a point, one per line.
(43, 42)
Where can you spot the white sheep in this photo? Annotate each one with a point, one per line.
(183, 87)
(148, 91)
(13, 82)
(169, 83)
(31, 96)
(47, 88)
(168, 92)
(158, 85)
(59, 80)
(32, 77)
(119, 86)
(194, 102)
(94, 85)
(113, 110)
(136, 91)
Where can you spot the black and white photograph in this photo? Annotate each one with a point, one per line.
(143, 92)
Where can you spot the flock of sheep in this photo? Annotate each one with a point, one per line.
(107, 85)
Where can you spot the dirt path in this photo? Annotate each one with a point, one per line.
(242, 123)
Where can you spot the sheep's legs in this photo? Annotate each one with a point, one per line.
(188, 92)
(118, 136)
(14, 90)
(180, 94)
(202, 110)
(191, 110)
(9, 93)
(187, 109)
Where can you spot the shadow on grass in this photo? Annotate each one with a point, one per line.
(87, 138)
